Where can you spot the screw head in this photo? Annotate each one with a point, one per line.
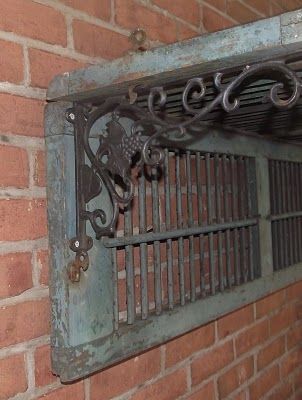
(77, 243)
(72, 116)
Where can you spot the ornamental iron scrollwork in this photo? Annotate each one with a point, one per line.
(111, 162)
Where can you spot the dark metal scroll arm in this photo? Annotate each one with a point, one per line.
(116, 149)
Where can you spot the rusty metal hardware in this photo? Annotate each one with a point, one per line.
(138, 38)
(108, 164)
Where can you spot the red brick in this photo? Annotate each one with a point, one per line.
(186, 345)
(185, 32)
(130, 14)
(261, 6)
(284, 392)
(11, 62)
(283, 319)
(252, 337)
(219, 4)
(235, 377)
(168, 388)
(21, 115)
(44, 66)
(43, 373)
(123, 377)
(14, 167)
(97, 8)
(87, 41)
(294, 336)
(211, 362)
(15, 274)
(235, 321)
(37, 21)
(22, 219)
(40, 168)
(270, 303)
(240, 13)
(213, 21)
(43, 265)
(11, 368)
(67, 392)
(190, 12)
(207, 393)
(292, 361)
(298, 380)
(271, 352)
(276, 9)
(294, 292)
(244, 395)
(23, 321)
(266, 381)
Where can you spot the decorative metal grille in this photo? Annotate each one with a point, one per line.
(286, 210)
(190, 232)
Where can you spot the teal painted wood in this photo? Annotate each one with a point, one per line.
(258, 41)
(83, 337)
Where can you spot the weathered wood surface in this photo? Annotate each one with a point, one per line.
(83, 335)
(271, 38)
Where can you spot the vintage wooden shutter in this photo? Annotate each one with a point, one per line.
(215, 224)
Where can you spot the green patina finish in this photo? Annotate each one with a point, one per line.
(83, 335)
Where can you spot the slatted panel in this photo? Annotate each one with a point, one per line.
(286, 210)
(190, 232)
(255, 113)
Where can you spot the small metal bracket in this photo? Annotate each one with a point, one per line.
(110, 164)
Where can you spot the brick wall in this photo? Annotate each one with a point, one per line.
(252, 353)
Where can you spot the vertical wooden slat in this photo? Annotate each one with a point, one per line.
(227, 217)
(242, 196)
(143, 246)
(130, 276)
(218, 219)
(210, 217)
(201, 237)
(180, 225)
(191, 223)
(168, 227)
(156, 245)
(280, 234)
(235, 215)
(248, 180)
(263, 199)
(115, 288)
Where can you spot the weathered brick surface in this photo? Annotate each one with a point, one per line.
(12, 376)
(235, 377)
(125, 376)
(23, 321)
(21, 115)
(96, 8)
(43, 375)
(44, 66)
(30, 19)
(183, 347)
(190, 13)
(66, 392)
(15, 274)
(87, 41)
(11, 62)
(211, 362)
(170, 387)
(158, 27)
(40, 38)
(266, 381)
(22, 219)
(14, 167)
(233, 322)
(40, 168)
